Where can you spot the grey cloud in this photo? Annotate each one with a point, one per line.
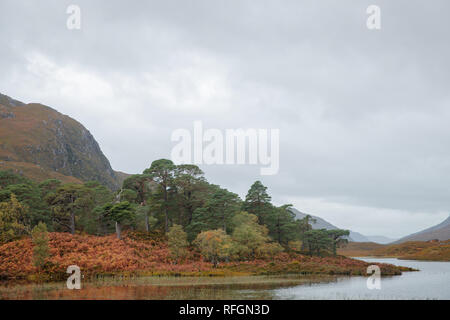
(363, 114)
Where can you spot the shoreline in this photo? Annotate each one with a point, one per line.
(220, 273)
(398, 258)
(91, 289)
(108, 256)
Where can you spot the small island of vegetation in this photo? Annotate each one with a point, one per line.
(167, 221)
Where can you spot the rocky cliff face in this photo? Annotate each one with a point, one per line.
(36, 136)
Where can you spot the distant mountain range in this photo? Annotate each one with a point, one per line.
(354, 236)
(440, 231)
(41, 143)
(381, 239)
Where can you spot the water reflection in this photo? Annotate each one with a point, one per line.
(431, 282)
(203, 288)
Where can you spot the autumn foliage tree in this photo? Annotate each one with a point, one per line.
(41, 250)
(250, 239)
(248, 235)
(269, 250)
(178, 244)
(214, 245)
(14, 220)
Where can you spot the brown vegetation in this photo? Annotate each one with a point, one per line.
(108, 255)
(414, 250)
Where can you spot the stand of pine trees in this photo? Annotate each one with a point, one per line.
(175, 200)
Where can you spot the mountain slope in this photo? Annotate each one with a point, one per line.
(358, 237)
(380, 239)
(39, 142)
(411, 250)
(440, 231)
(354, 236)
(321, 223)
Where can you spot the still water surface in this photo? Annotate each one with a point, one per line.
(431, 282)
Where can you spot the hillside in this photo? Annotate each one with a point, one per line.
(354, 236)
(321, 223)
(359, 249)
(440, 231)
(411, 250)
(380, 239)
(318, 224)
(417, 250)
(438, 252)
(40, 143)
(139, 255)
(357, 237)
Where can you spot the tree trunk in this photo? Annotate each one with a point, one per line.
(118, 230)
(72, 222)
(166, 226)
(147, 227)
(166, 221)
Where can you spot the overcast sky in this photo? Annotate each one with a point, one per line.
(364, 115)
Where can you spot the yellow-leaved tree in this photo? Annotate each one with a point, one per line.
(214, 245)
(13, 220)
(41, 250)
(250, 239)
(178, 243)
